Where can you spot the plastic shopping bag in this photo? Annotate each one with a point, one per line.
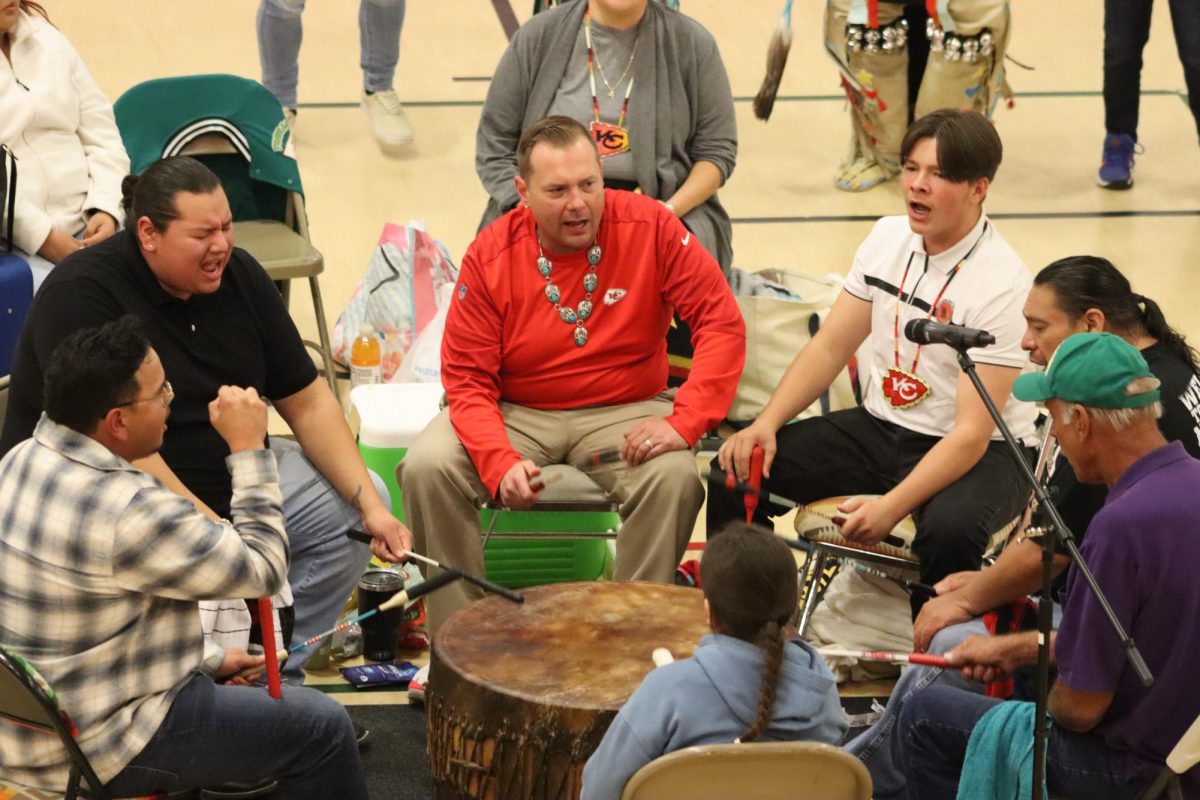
(397, 295)
(423, 362)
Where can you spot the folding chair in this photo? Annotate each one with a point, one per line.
(762, 770)
(1183, 756)
(237, 128)
(26, 699)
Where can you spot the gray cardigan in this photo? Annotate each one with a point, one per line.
(688, 118)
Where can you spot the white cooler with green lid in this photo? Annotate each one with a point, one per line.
(391, 415)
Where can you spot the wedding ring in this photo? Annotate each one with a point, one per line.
(648, 443)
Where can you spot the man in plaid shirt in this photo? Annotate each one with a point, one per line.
(102, 569)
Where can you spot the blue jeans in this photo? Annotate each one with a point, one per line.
(325, 564)
(879, 748)
(237, 734)
(280, 32)
(935, 727)
(1126, 29)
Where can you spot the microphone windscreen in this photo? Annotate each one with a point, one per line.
(914, 330)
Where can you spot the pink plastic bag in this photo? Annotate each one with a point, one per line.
(398, 293)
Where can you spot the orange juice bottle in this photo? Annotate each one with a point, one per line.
(366, 358)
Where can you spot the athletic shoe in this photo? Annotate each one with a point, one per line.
(391, 124)
(360, 733)
(1116, 165)
(416, 687)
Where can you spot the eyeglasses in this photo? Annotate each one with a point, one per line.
(165, 397)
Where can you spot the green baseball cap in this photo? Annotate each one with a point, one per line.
(1092, 369)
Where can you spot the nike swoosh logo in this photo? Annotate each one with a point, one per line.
(686, 239)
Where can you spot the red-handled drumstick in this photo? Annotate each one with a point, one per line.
(734, 485)
(750, 499)
(923, 659)
(266, 624)
(398, 599)
(595, 458)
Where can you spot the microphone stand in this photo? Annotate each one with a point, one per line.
(1053, 533)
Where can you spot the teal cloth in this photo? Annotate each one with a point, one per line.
(999, 762)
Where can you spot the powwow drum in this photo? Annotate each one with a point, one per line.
(815, 523)
(520, 695)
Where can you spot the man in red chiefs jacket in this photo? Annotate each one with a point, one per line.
(555, 348)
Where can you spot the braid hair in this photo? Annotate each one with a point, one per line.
(749, 580)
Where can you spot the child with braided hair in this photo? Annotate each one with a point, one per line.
(745, 682)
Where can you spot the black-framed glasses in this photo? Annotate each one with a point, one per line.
(165, 397)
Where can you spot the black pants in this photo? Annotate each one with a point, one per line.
(1126, 29)
(853, 452)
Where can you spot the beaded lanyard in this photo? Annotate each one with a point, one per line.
(904, 389)
(610, 139)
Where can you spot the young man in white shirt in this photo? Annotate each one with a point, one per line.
(923, 439)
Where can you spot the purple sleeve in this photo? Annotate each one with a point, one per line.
(1089, 655)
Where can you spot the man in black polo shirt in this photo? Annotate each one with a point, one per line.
(215, 318)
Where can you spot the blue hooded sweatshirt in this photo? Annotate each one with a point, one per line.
(712, 698)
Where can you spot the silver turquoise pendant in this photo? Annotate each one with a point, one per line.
(589, 282)
(568, 315)
(544, 266)
(552, 293)
(594, 255)
(580, 337)
(585, 309)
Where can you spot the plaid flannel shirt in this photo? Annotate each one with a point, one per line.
(102, 567)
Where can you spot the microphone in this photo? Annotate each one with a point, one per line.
(926, 331)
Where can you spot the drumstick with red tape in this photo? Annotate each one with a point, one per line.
(398, 599)
(750, 499)
(482, 583)
(923, 659)
(266, 622)
(734, 485)
(595, 458)
(731, 483)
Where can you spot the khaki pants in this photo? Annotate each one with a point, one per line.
(659, 499)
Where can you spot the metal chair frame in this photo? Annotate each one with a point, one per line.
(263, 239)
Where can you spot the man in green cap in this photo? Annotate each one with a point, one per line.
(1110, 734)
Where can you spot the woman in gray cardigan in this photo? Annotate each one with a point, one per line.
(662, 108)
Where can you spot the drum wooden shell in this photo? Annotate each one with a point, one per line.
(520, 695)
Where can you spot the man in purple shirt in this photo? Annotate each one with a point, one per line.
(1110, 734)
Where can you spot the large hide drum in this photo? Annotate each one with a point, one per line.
(520, 695)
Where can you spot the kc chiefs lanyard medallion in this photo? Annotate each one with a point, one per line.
(610, 139)
(905, 389)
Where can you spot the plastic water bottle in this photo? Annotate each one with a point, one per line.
(366, 358)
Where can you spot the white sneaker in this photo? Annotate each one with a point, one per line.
(391, 124)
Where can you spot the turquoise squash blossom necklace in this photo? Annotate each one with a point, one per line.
(572, 316)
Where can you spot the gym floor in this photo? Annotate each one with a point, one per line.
(786, 211)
